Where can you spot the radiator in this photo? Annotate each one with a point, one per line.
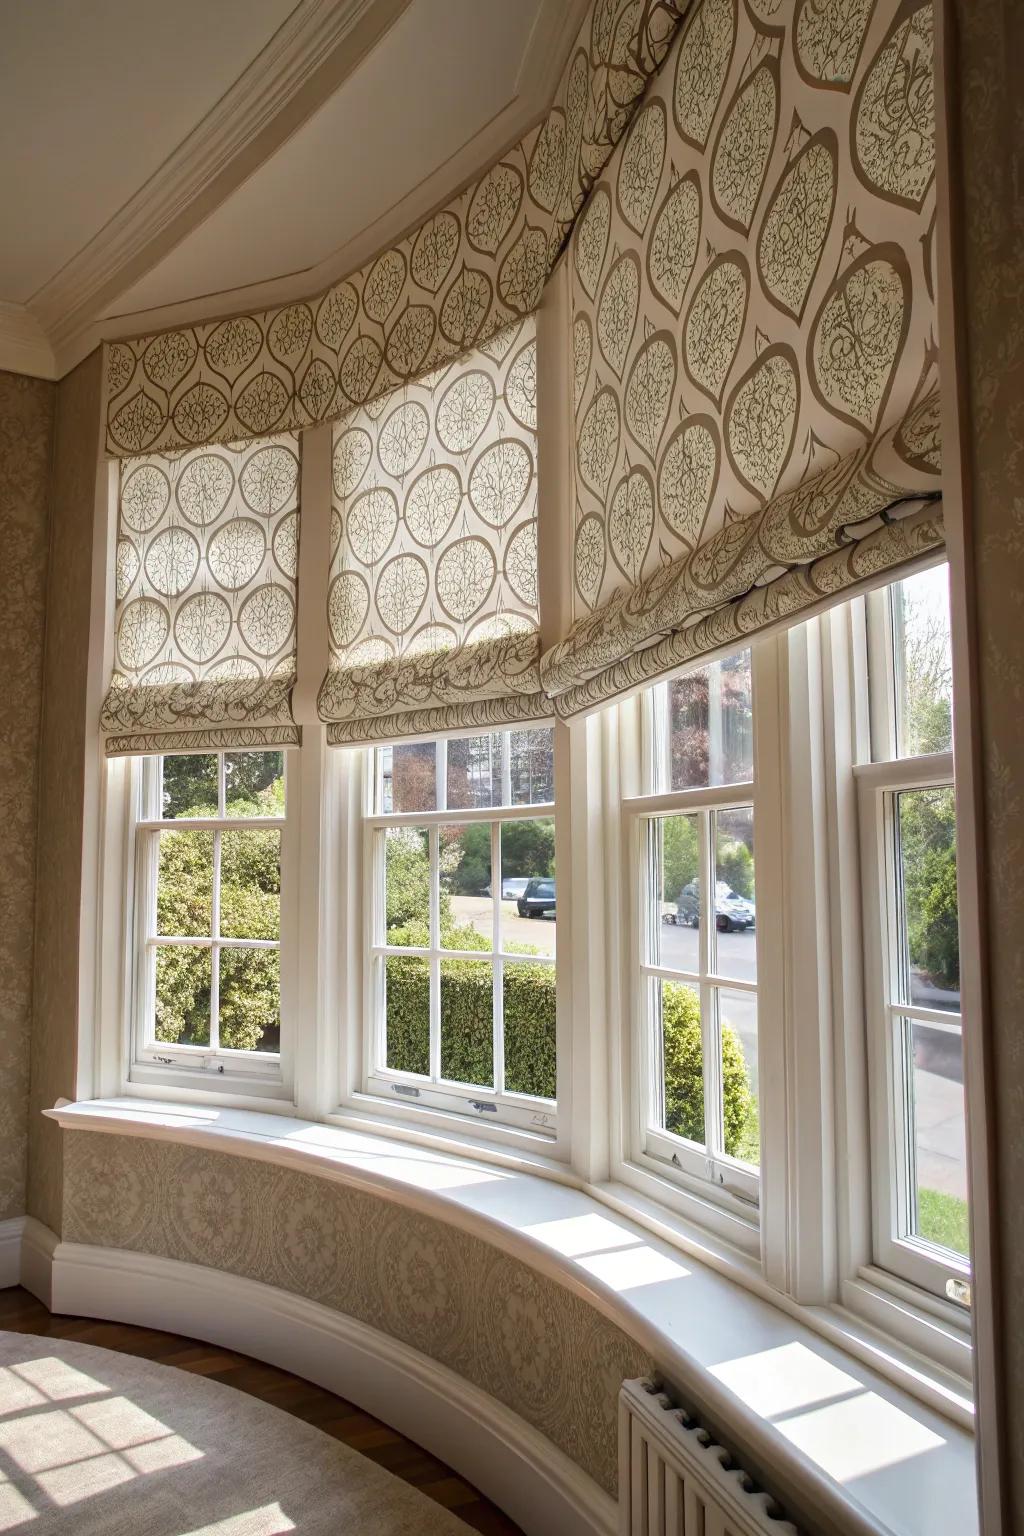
(675, 1481)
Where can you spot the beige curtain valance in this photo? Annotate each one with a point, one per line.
(464, 275)
(204, 618)
(432, 602)
(753, 338)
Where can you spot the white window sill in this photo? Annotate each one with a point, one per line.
(838, 1436)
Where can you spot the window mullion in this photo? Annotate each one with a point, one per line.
(215, 946)
(708, 998)
(497, 964)
(435, 962)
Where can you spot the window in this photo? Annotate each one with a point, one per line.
(696, 1002)
(461, 1004)
(908, 831)
(212, 851)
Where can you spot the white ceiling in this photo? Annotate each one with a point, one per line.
(175, 161)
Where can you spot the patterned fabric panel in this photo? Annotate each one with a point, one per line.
(432, 603)
(206, 567)
(752, 303)
(465, 274)
(825, 513)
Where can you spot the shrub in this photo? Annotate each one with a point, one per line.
(736, 867)
(684, 1076)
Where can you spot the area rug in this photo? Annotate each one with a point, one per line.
(102, 1444)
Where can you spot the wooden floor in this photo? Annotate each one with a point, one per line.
(21, 1313)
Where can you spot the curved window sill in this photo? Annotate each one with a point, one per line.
(832, 1433)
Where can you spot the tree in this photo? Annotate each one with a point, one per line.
(680, 855)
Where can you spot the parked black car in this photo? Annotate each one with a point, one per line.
(538, 899)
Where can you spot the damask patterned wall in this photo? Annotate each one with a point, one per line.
(67, 735)
(531, 1343)
(989, 217)
(26, 442)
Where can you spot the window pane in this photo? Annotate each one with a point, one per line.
(184, 890)
(254, 783)
(407, 887)
(467, 1021)
(924, 663)
(737, 1012)
(467, 906)
(528, 992)
(250, 884)
(407, 1014)
(474, 771)
(182, 1003)
(929, 938)
(250, 999)
(407, 778)
(735, 947)
(676, 936)
(940, 1141)
(528, 887)
(532, 766)
(711, 725)
(189, 786)
(682, 1053)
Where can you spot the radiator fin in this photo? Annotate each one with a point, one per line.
(675, 1481)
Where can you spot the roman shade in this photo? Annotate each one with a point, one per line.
(753, 339)
(204, 618)
(432, 602)
(450, 285)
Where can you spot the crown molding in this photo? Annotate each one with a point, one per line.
(77, 325)
(304, 63)
(24, 345)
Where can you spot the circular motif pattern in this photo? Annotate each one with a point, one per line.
(370, 652)
(402, 439)
(168, 674)
(688, 476)
(521, 563)
(266, 619)
(202, 626)
(204, 489)
(431, 639)
(286, 545)
(235, 669)
(523, 1337)
(353, 451)
(141, 632)
(371, 523)
(348, 601)
(269, 479)
(236, 552)
(432, 504)
(588, 558)
(464, 410)
(172, 561)
(145, 494)
(501, 480)
(126, 567)
(466, 572)
(401, 592)
(313, 1237)
(521, 386)
(211, 1212)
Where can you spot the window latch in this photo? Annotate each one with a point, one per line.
(482, 1108)
(959, 1290)
(405, 1089)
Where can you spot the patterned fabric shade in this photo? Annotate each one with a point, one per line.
(465, 274)
(204, 627)
(754, 344)
(432, 603)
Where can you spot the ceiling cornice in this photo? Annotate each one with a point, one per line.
(24, 347)
(304, 63)
(70, 308)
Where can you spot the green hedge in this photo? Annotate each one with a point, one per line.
(467, 1049)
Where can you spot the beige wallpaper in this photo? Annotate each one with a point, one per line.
(991, 45)
(26, 441)
(531, 1343)
(64, 738)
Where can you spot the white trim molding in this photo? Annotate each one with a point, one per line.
(512, 1463)
(24, 345)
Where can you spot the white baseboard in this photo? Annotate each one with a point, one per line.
(508, 1460)
(10, 1251)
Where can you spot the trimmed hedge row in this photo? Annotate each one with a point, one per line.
(467, 1054)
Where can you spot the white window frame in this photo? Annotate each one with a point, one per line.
(479, 1106)
(154, 1062)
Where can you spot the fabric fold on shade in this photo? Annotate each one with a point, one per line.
(432, 603)
(463, 275)
(754, 340)
(204, 623)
